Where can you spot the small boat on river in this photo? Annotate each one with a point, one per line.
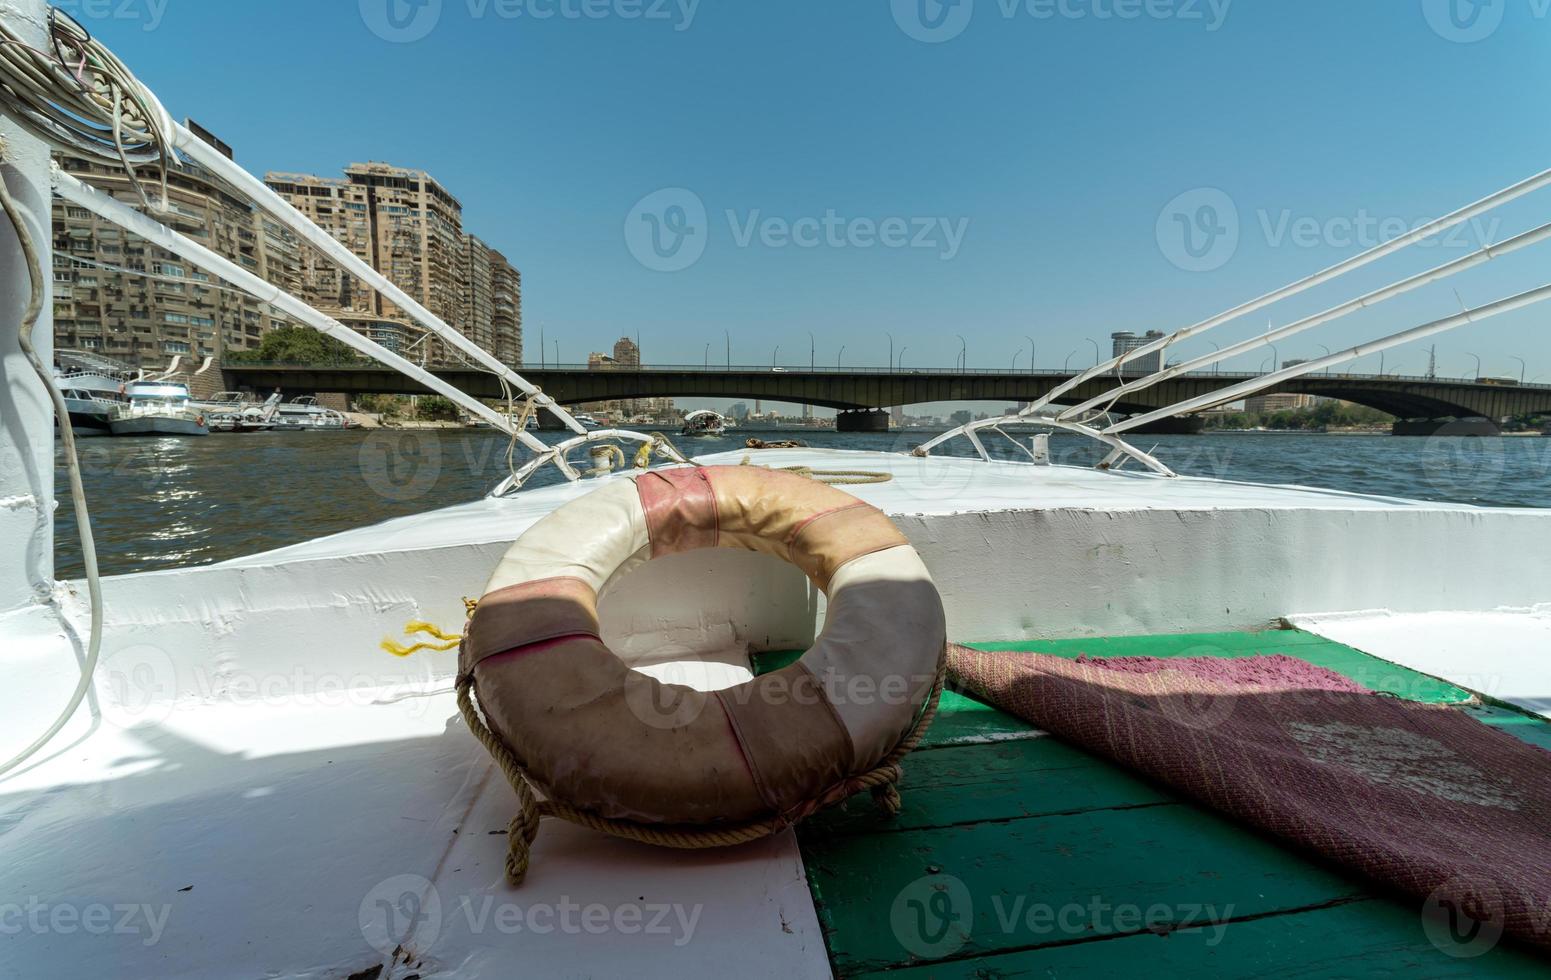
(158, 408)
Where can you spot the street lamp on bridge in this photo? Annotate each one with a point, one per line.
(1478, 362)
(708, 357)
(1031, 352)
(728, 335)
(813, 352)
(1066, 365)
(963, 353)
(1523, 368)
(839, 357)
(902, 351)
(775, 357)
(891, 349)
(1098, 353)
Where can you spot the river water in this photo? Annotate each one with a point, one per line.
(164, 503)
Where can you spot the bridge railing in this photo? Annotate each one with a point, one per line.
(780, 370)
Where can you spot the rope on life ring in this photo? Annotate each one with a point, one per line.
(882, 781)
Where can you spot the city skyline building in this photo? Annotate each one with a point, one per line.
(626, 354)
(1125, 341)
(119, 297)
(409, 227)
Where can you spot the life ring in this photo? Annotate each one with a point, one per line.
(618, 744)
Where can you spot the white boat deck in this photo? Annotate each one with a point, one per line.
(257, 790)
(1501, 654)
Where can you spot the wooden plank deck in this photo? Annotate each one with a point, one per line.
(1018, 855)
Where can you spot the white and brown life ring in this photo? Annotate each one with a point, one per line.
(772, 749)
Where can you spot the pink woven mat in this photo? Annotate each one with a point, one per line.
(1421, 798)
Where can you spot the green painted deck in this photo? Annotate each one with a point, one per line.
(1019, 856)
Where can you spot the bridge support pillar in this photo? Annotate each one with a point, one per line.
(1446, 427)
(550, 422)
(875, 420)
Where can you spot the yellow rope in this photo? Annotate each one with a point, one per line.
(523, 828)
(450, 641)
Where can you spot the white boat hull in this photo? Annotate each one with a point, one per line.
(158, 425)
(246, 718)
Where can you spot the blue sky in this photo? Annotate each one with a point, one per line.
(1004, 173)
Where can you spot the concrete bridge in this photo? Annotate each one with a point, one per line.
(864, 390)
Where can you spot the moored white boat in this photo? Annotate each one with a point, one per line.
(158, 408)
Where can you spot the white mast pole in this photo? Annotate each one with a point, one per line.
(26, 413)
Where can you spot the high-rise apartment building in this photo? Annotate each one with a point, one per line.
(407, 226)
(1125, 341)
(124, 299)
(476, 313)
(506, 304)
(119, 297)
